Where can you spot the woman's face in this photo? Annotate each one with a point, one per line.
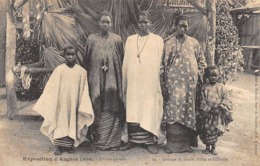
(143, 23)
(105, 23)
(182, 27)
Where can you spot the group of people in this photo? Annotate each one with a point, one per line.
(144, 90)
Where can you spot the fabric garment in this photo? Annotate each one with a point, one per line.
(103, 61)
(177, 137)
(215, 112)
(64, 142)
(26, 78)
(139, 136)
(141, 81)
(65, 105)
(105, 86)
(108, 131)
(182, 64)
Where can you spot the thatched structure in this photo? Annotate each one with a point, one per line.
(247, 19)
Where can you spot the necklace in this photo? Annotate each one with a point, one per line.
(105, 58)
(177, 53)
(139, 52)
(175, 58)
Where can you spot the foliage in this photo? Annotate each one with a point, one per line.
(228, 53)
(27, 52)
(125, 14)
(242, 3)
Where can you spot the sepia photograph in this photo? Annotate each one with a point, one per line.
(129, 82)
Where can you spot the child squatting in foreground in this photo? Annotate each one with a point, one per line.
(65, 105)
(215, 110)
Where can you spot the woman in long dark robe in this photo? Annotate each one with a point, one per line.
(103, 62)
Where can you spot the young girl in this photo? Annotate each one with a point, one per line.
(215, 110)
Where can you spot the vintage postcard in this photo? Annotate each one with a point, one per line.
(129, 82)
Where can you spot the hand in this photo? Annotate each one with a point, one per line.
(92, 132)
(214, 110)
(165, 93)
(163, 126)
(16, 69)
(219, 108)
(200, 79)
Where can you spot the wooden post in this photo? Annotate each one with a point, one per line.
(2, 42)
(211, 31)
(19, 3)
(26, 20)
(10, 58)
(197, 5)
(38, 10)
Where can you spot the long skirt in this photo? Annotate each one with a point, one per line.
(140, 136)
(179, 137)
(108, 131)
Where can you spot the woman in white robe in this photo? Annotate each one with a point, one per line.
(141, 85)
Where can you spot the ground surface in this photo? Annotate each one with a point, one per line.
(21, 142)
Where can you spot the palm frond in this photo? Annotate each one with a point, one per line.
(59, 30)
(86, 12)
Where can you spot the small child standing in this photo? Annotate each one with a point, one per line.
(65, 105)
(215, 108)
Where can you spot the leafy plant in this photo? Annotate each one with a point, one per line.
(228, 53)
(27, 52)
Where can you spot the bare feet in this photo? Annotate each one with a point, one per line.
(126, 146)
(71, 150)
(214, 151)
(207, 150)
(166, 150)
(152, 149)
(190, 150)
(57, 150)
(93, 148)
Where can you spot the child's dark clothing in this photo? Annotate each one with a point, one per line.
(215, 114)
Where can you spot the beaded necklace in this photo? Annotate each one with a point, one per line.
(139, 52)
(105, 58)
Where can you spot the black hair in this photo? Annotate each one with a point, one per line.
(69, 47)
(105, 13)
(209, 69)
(181, 17)
(145, 13)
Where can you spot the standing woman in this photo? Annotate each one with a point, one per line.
(183, 63)
(141, 82)
(103, 62)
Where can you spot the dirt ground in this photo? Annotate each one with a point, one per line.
(21, 142)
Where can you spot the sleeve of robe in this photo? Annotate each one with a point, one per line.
(200, 60)
(162, 69)
(87, 53)
(226, 102)
(203, 104)
(85, 111)
(48, 103)
(125, 66)
(120, 49)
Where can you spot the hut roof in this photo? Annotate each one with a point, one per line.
(248, 9)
